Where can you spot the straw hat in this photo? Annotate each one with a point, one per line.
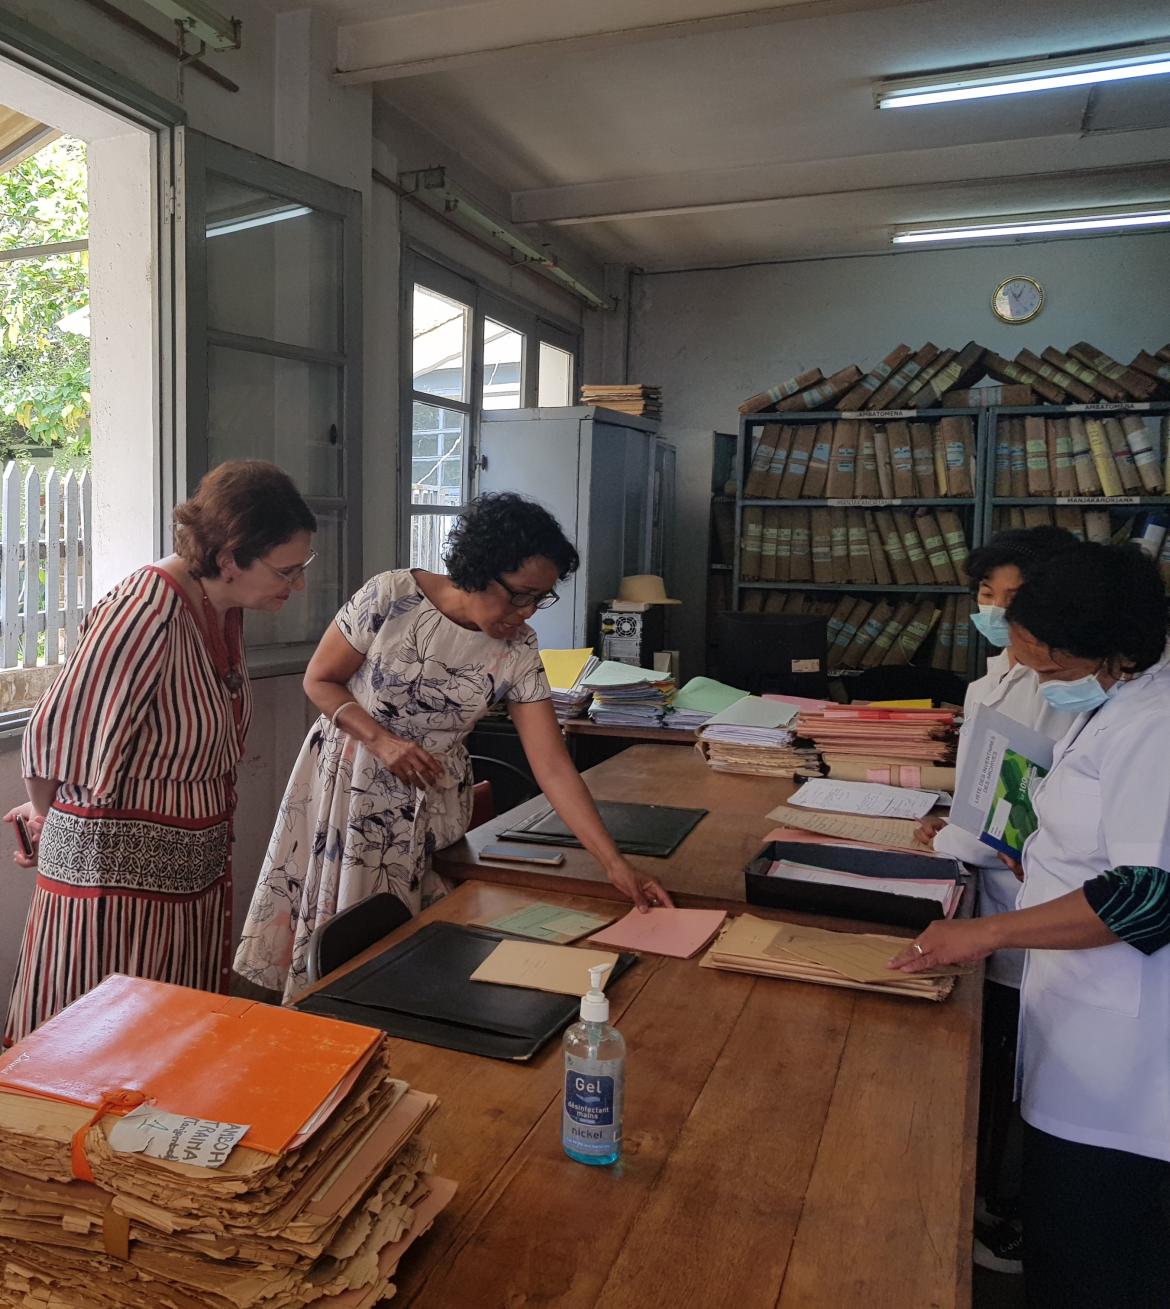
(645, 589)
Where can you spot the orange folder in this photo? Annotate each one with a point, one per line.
(193, 1053)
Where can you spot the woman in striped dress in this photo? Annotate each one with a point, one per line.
(130, 756)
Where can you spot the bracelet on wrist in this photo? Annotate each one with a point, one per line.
(340, 709)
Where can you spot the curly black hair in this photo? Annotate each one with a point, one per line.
(1022, 547)
(496, 533)
(1096, 602)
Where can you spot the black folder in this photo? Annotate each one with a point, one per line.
(421, 990)
(648, 829)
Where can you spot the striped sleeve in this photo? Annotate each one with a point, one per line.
(84, 725)
(1134, 903)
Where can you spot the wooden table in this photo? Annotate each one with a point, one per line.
(706, 870)
(786, 1145)
(591, 743)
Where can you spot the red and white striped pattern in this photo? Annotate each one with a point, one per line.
(139, 725)
(74, 939)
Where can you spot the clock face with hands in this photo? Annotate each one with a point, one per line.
(1017, 299)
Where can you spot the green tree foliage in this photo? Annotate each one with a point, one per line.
(44, 371)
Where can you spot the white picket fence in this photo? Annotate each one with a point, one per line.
(46, 565)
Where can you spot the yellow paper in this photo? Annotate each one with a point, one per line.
(890, 833)
(900, 704)
(563, 667)
(557, 968)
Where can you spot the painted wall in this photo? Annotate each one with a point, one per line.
(287, 108)
(711, 339)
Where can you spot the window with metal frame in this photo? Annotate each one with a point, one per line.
(466, 349)
(273, 274)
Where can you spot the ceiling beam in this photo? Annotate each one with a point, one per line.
(996, 164)
(413, 45)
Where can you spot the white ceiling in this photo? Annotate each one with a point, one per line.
(676, 133)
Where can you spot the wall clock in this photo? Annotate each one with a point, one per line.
(1017, 300)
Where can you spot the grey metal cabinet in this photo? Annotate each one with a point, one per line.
(600, 473)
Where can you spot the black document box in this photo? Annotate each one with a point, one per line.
(846, 902)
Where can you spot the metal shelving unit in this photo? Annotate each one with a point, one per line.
(970, 506)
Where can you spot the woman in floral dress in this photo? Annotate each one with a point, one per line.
(411, 664)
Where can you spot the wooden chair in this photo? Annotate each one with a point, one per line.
(348, 933)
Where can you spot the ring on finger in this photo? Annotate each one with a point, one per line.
(921, 951)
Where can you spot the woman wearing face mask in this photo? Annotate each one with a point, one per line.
(1094, 917)
(409, 667)
(996, 572)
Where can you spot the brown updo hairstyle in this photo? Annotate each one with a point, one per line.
(245, 506)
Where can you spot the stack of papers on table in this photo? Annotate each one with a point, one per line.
(627, 696)
(699, 701)
(943, 891)
(755, 736)
(567, 671)
(922, 736)
(272, 1160)
(811, 954)
(869, 798)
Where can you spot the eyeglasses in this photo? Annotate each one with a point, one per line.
(529, 599)
(289, 575)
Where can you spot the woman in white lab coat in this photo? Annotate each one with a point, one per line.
(1094, 917)
(996, 571)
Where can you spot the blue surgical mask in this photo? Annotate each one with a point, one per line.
(991, 623)
(1079, 697)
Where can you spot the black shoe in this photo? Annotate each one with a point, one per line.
(999, 1247)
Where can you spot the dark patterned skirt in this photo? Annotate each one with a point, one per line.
(133, 893)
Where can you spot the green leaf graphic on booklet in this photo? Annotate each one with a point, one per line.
(1013, 819)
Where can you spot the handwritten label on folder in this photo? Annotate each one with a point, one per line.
(173, 1137)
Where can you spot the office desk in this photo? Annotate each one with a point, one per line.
(786, 1145)
(591, 743)
(706, 870)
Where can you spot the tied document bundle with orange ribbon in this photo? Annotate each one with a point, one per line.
(166, 1146)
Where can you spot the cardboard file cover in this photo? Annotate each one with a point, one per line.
(192, 1053)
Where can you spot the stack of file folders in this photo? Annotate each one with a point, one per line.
(696, 703)
(906, 736)
(165, 1148)
(642, 401)
(628, 696)
(567, 671)
(810, 954)
(755, 735)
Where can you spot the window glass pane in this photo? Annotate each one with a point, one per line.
(438, 455)
(555, 383)
(308, 613)
(428, 535)
(273, 267)
(282, 410)
(503, 368)
(440, 331)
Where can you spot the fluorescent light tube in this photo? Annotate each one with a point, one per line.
(260, 220)
(1085, 69)
(1035, 225)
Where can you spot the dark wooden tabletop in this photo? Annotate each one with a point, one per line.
(787, 1146)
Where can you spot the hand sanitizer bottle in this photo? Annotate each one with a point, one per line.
(595, 1071)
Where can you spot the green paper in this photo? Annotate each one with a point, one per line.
(706, 696)
(549, 922)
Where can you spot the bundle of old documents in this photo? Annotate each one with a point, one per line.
(755, 735)
(632, 398)
(165, 1148)
(810, 954)
(889, 736)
